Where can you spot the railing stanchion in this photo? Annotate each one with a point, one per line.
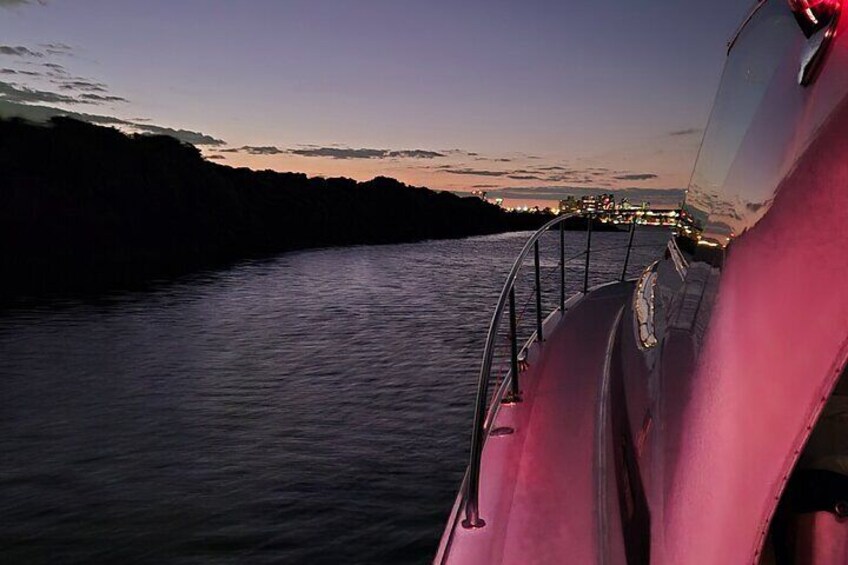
(562, 268)
(471, 491)
(515, 395)
(629, 247)
(484, 416)
(588, 252)
(539, 335)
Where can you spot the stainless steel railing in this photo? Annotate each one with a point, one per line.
(484, 411)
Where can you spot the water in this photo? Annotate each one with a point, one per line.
(313, 408)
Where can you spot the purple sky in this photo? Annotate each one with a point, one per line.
(508, 94)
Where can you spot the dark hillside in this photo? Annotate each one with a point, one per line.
(83, 206)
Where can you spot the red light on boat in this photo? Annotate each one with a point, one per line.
(814, 15)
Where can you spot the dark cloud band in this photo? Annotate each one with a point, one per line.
(19, 51)
(350, 153)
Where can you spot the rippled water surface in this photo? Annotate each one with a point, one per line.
(313, 408)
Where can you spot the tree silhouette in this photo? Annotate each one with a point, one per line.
(84, 206)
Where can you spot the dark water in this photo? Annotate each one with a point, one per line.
(314, 408)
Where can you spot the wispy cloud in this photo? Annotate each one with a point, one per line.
(636, 176)
(262, 150)
(415, 154)
(685, 132)
(18, 93)
(55, 67)
(475, 172)
(551, 168)
(68, 89)
(19, 72)
(186, 136)
(99, 98)
(13, 3)
(39, 113)
(19, 51)
(364, 153)
(551, 174)
(339, 153)
(524, 177)
(57, 48)
(82, 85)
(14, 93)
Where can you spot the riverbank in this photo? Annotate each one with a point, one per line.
(86, 207)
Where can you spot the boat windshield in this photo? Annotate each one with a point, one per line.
(734, 182)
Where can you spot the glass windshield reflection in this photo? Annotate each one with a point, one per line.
(733, 183)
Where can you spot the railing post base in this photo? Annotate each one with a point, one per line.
(475, 524)
(511, 398)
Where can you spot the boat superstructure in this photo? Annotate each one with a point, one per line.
(693, 413)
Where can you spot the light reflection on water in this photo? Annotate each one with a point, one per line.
(311, 408)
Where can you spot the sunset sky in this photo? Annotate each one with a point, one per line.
(529, 99)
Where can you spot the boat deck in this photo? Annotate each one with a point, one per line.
(540, 485)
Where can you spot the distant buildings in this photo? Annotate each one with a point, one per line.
(604, 207)
(588, 204)
(569, 205)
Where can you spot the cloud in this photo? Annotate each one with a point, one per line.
(83, 85)
(57, 48)
(349, 153)
(215, 157)
(553, 174)
(415, 154)
(13, 3)
(524, 177)
(338, 153)
(41, 114)
(476, 172)
(684, 132)
(19, 72)
(18, 51)
(56, 70)
(186, 136)
(14, 93)
(99, 98)
(263, 150)
(636, 176)
(17, 93)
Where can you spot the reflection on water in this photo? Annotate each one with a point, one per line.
(312, 408)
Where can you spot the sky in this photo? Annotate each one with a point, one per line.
(527, 100)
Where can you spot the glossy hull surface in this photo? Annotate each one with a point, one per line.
(682, 409)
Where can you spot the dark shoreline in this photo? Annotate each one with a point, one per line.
(85, 209)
